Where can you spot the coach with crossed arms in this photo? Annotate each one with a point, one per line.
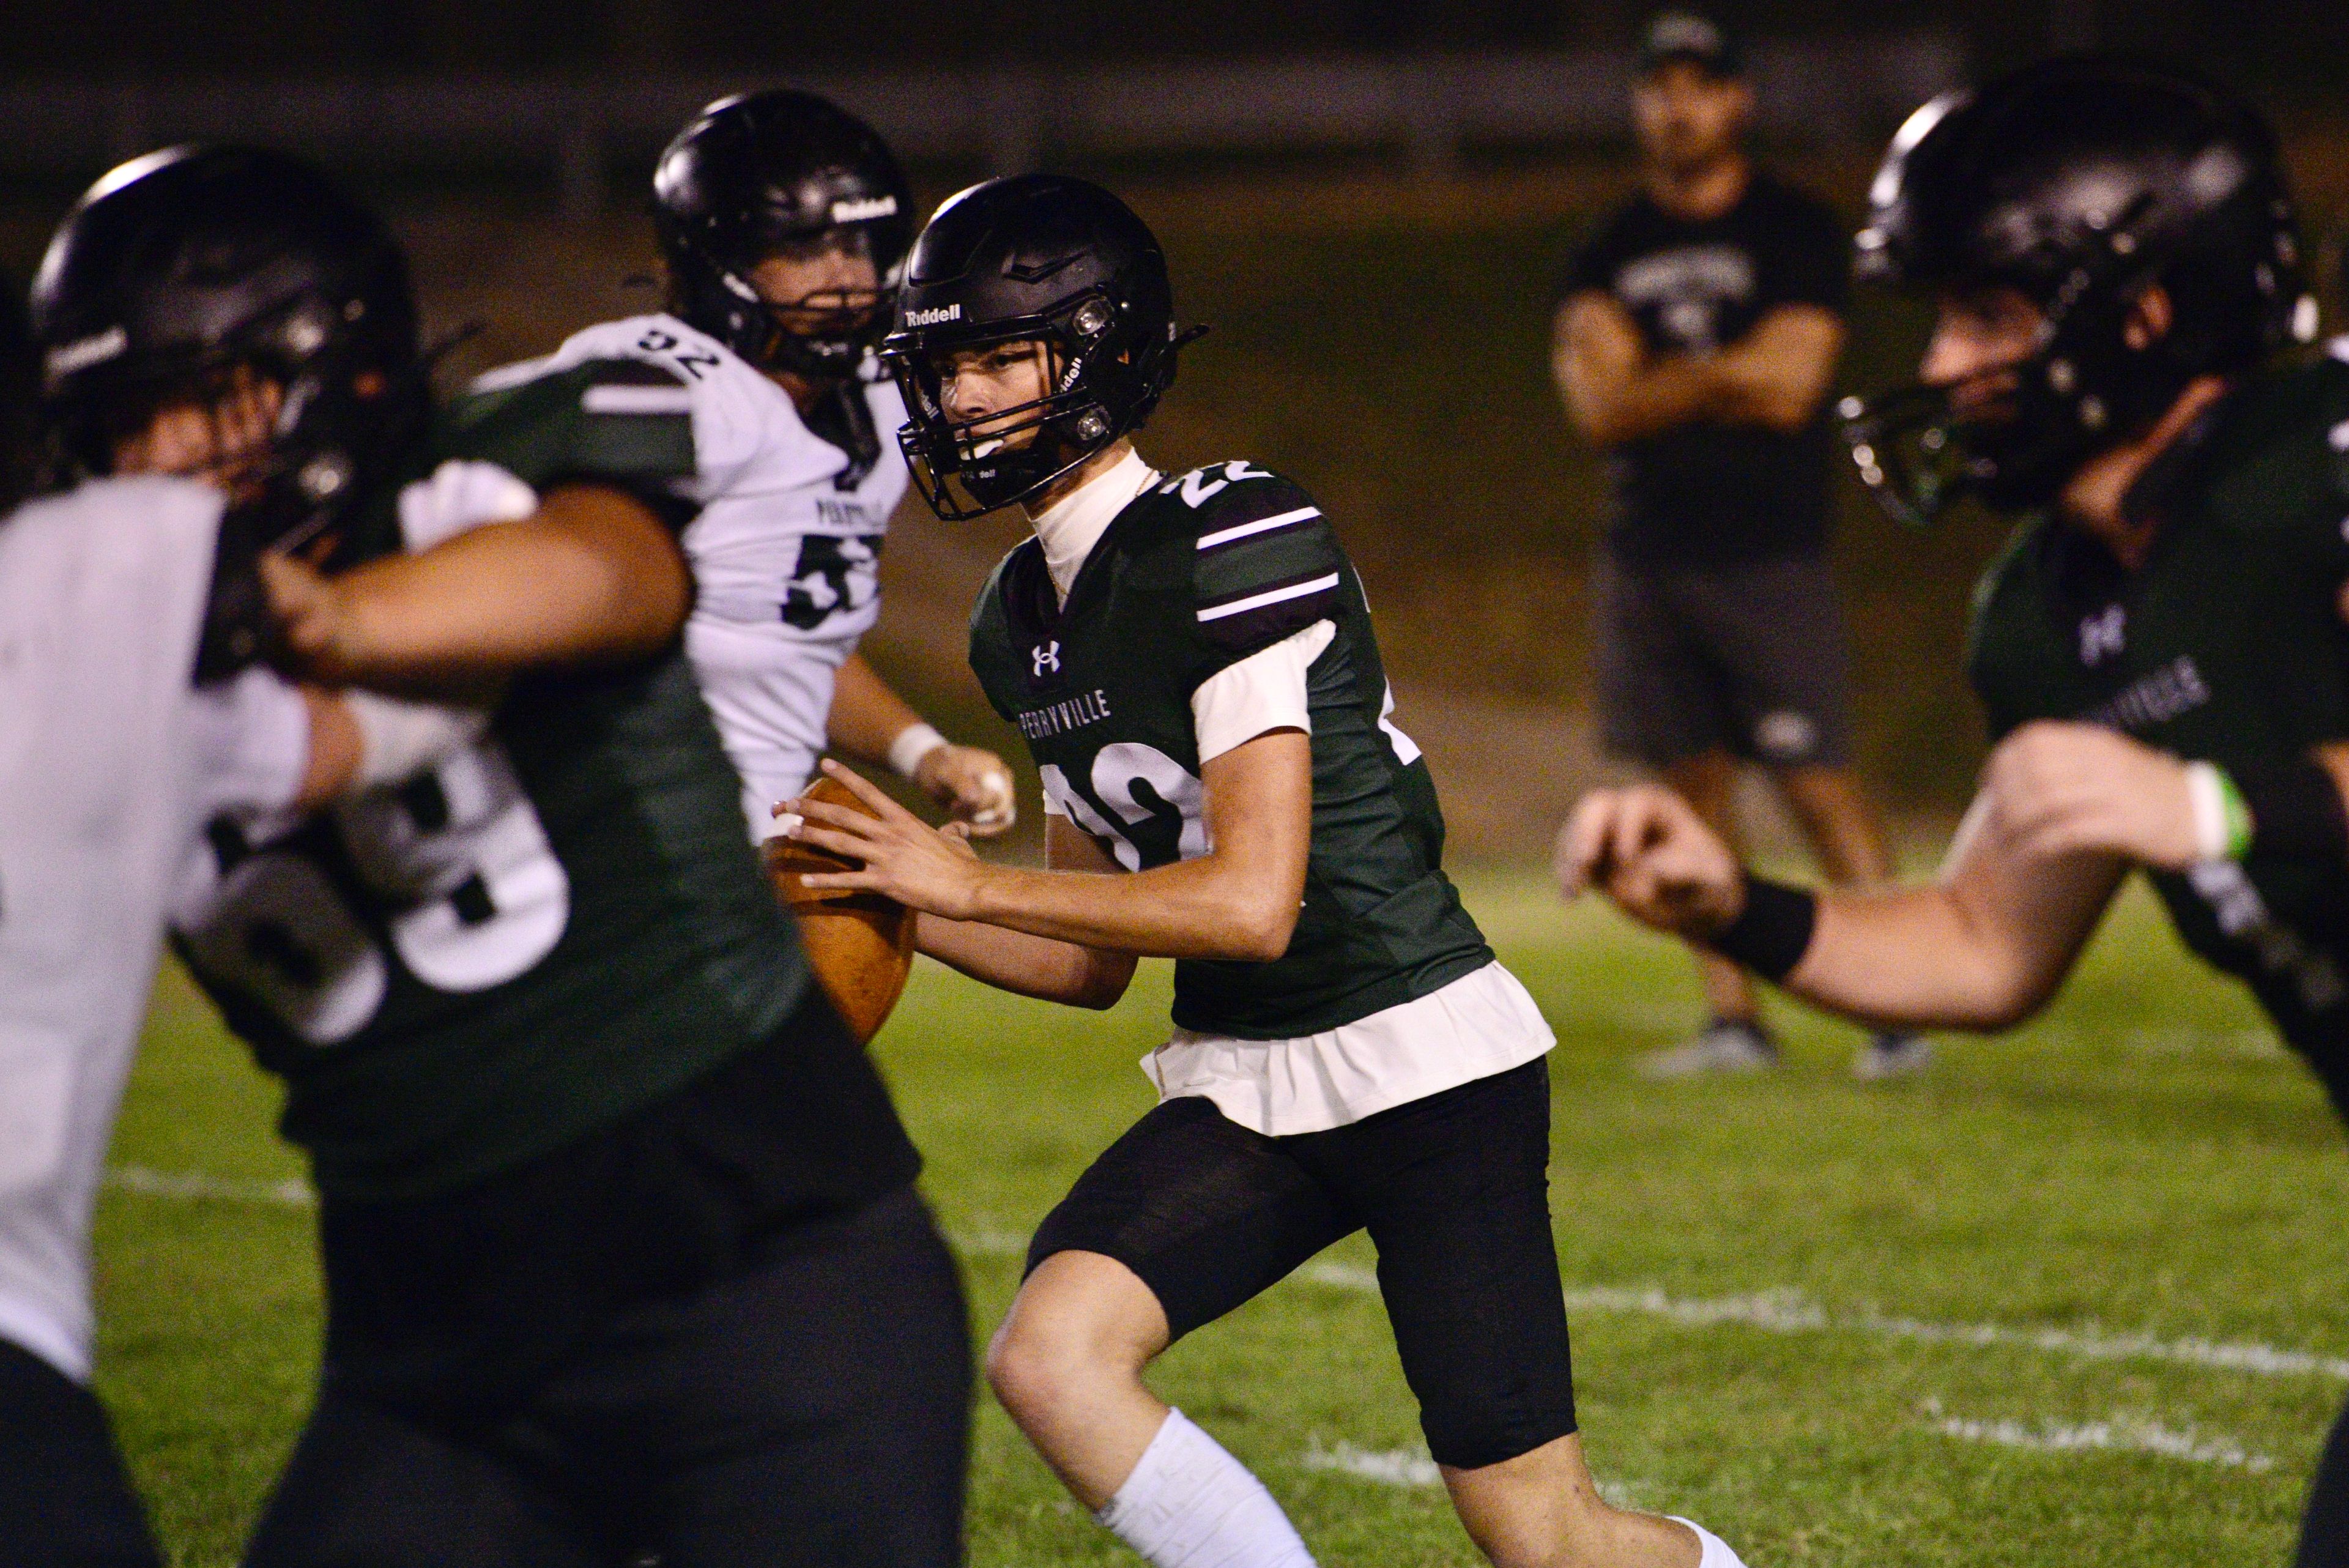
(1694, 342)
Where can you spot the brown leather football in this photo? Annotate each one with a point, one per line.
(860, 945)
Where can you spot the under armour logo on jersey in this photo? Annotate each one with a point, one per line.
(2100, 634)
(1045, 656)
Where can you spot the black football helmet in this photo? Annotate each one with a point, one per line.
(189, 265)
(2081, 182)
(1042, 257)
(754, 176)
(186, 275)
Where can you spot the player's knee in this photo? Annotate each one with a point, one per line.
(1035, 1365)
(1062, 1340)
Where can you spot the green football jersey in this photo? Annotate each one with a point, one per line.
(2228, 644)
(541, 933)
(1197, 573)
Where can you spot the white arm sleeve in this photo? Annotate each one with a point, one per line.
(1266, 690)
(251, 742)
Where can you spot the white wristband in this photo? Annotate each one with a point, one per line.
(397, 739)
(2206, 796)
(914, 743)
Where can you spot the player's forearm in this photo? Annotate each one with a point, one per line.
(1615, 389)
(1754, 391)
(1777, 374)
(1636, 402)
(1915, 958)
(1026, 965)
(1211, 908)
(591, 578)
(866, 716)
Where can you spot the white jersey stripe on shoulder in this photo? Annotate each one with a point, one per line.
(1272, 596)
(520, 373)
(626, 400)
(1261, 525)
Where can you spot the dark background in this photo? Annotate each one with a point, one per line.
(2290, 48)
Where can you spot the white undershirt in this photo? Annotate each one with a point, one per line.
(1070, 527)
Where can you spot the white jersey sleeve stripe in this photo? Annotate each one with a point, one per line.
(1261, 525)
(626, 400)
(1270, 596)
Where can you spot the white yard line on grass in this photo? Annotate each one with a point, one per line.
(1790, 1312)
(2126, 1434)
(1388, 1467)
(1411, 1468)
(987, 1242)
(291, 1193)
(1768, 1312)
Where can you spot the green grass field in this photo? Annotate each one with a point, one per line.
(2076, 1298)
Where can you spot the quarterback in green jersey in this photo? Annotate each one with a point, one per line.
(621, 1249)
(1192, 663)
(2161, 649)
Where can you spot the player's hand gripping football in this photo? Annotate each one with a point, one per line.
(2065, 789)
(1647, 849)
(933, 869)
(973, 784)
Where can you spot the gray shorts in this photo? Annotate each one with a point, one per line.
(1748, 659)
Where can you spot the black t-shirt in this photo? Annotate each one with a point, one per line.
(1713, 494)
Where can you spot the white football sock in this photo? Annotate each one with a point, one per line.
(1189, 1504)
(1717, 1553)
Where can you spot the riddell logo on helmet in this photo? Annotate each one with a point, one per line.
(932, 317)
(864, 210)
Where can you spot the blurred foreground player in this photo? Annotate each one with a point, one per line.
(1191, 660)
(1695, 343)
(621, 1250)
(125, 728)
(783, 226)
(2161, 649)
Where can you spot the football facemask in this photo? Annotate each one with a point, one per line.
(966, 468)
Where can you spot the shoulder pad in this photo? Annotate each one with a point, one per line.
(1264, 562)
(622, 420)
(2281, 467)
(988, 595)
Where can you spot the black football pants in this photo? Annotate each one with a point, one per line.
(65, 1501)
(813, 1411)
(2324, 1531)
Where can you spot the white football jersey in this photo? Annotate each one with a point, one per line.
(111, 762)
(785, 553)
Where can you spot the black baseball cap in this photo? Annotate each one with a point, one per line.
(1689, 36)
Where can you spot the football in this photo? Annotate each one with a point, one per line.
(860, 945)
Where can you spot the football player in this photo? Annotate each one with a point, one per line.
(113, 756)
(783, 225)
(621, 1249)
(1192, 663)
(2161, 649)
